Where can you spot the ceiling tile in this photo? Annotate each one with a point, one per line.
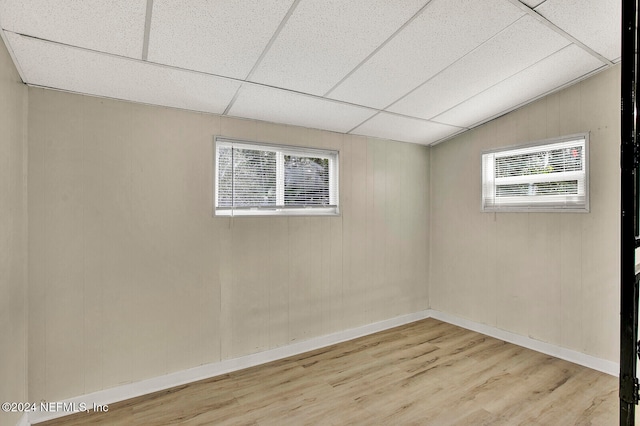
(446, 30)
(77, 70)
(596, 23)
(2, 11)
(551, 73)
(459, 62)
(521, 45)
(406, 129)
(310, 54)
(113, 26)
(279, 106)
(532, 3)
(224, 37)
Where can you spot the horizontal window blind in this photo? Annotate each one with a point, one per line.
(257, 179)
(545, 176)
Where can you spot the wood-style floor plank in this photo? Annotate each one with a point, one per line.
(424, 373)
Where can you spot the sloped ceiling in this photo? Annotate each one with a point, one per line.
(418, 71)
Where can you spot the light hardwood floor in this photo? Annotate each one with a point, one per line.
(424, 373)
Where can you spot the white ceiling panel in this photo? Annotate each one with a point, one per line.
(78, 70)
(113, 26)
(264, 103)
(516, 48)
(532, 3)
(596, 23)
(2, 8)
(224, 37)
(391, 126)
(561, 68)
(445, 31)
(310, 54)
(327, 64)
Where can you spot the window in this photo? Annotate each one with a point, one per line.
(549, 175)
(259, 179)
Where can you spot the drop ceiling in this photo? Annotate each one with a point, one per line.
(417, 71)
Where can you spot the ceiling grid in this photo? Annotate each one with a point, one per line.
(418, 71)
(578, 65)
(554, 27)
(262, 55)
(147, 30)
(377, 49)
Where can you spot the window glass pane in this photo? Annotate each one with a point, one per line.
(225, 178)
(512, 190)
(554, 161)
(254, 178)
(542, 176)
(306, 181)
(568, 187)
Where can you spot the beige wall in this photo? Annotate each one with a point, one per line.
(131, 277)
(13, 280)
(551, 276)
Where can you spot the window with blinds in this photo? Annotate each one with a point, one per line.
(549, 175)
(260, 179)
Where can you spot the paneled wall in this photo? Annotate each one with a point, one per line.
(13, 232)
(131, 277)
(550, 276)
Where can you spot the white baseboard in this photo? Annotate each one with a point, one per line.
(132, 390)
(605, 366)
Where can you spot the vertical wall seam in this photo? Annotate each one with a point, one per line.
(429, 225)
(25, 233)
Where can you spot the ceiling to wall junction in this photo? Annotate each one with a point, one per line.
(418, 71)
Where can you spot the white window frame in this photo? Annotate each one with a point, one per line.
(280, 209)
(547, 203)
